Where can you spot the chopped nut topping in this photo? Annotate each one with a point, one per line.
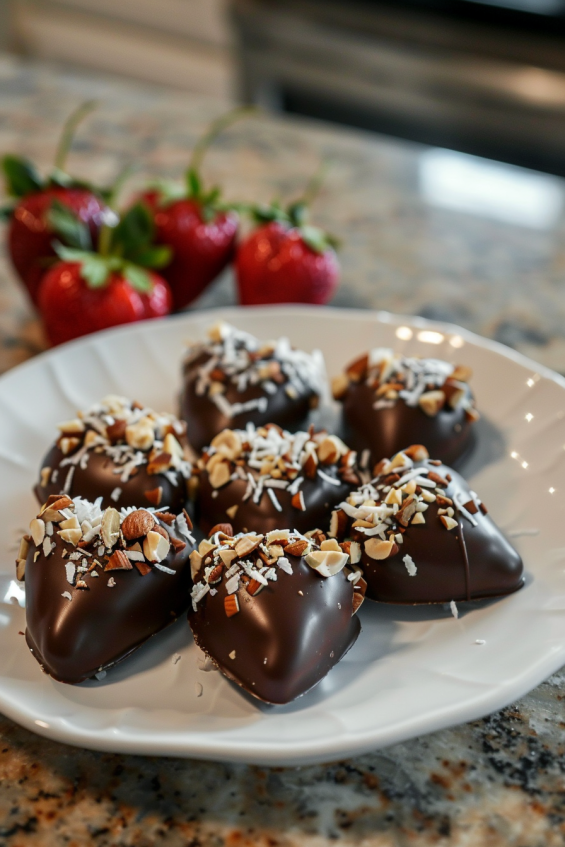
(232, 357)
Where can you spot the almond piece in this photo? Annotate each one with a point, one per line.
(378, 549)
(232, 511)
(297, 548)
(20, 569)
(330, 450)
(448, 522)
(24, 547)
(330, 544)
(116, 432)
(455, 392)
(68, 444)
(417, 452)
(160, 463)
(310, 466)
(340, 384)
(178, 545)
(338, 523)
(226, 528)
(247, 544)
(227, 443)
(154, 495)
(70, 523)
(462, 373)
(327, 562)
(71, 536)
(73, 427)
(110, 527)
(37, 531)
(173, 448)
(355, 552)
(143, 568)
(141, 435)
(431, 402)
(155, 546)
(166, 517)
(359, 590)
(118, 561)
(405, 514)
(219, 475)
(357, 370)
(215, 575)
(297, 501)
(231, 605)
(439, 480)
(394, 496)
(195, 563)
(227, 556)
(44, 476)
(137, 524)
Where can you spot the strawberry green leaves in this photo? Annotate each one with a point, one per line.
(125, 248)
(21, 176)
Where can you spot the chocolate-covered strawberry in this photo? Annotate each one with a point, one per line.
(285, 259)
(90, 290)
(421, 535)
(234, 379)
(121, 452)
(274, 612)
(390, 400)
(266, 478)
(32, 227)
(99, 583)
(195, 224)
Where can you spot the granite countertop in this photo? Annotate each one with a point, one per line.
(498, 781)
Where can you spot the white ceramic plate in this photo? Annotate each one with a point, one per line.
(413, 670)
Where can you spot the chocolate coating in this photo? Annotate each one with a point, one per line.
(98, 479)
(465, 563)
(204, 419)
(301, 636)
(319, 497)
(448, 436)
(75, 639)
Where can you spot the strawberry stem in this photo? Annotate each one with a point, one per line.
(215, 129)
(69, 129)
(314, 186)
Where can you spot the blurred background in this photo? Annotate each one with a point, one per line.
(482, 77)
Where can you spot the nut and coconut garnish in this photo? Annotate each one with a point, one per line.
(130, 435)
(430, 384)
(236, 358)
(269, 459)
(252, 562)
(379, 512)
(100, 540)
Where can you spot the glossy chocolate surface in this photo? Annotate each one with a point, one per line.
(464, 563)
(75, 639)
(98, 479)
(204, 419)
(320, 497)
(448, 436)
(284, 642)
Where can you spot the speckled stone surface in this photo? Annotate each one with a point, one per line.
(496, 782)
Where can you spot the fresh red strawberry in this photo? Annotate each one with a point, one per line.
(88, 291)
(200, 230)
(286, 261)
(30, 232)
